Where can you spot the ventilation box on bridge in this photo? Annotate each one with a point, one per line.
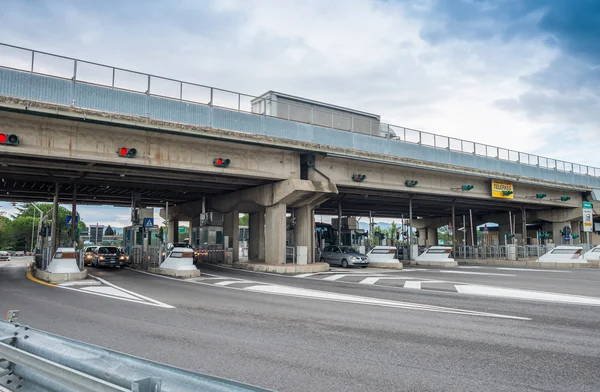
(307, 111)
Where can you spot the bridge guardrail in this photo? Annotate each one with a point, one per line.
(34, 360)
(91, 73)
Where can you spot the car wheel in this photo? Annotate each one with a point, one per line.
(344, 263)
(322, 260)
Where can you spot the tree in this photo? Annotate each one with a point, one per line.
(6, 241)
(244, 219)
(444, 235)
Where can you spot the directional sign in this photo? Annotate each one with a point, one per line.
(567, 238)
(70, 220)
(182, 229)
(588, 220)
(148, 223)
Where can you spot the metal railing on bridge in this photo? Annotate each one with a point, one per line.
(92, 73)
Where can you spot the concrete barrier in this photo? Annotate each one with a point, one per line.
(528, 263)
(380, 264)
(283, 268)
(185, 274)
(51, 277)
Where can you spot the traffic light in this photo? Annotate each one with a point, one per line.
(540, 195)
(397, 235)
(507, 193)
(565, 198)
(575, 236)
(221, 162)
(467, 187)
(411, 183)
(510, 236)
(417, 234)
(9, 139)
(359, 177)
(125, 152)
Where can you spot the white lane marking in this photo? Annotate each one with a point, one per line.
(469, 273)
(369, 280)
(228, 282)
(533, 270)
(469, 267)
(119, 298)
(109, 291)
(304, 275)
(87, 282)
(334, 277)
(411, 284)
(490, 291)
(318, 295)
(157, 303)
(336, 297)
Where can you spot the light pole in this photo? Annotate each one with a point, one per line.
(33, 223)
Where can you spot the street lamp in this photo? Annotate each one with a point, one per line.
(33, 223)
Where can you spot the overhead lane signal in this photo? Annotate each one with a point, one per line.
(359, 177)
(221, 162)
(125, 152)
(9, 139)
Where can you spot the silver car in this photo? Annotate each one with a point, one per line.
(344, 256)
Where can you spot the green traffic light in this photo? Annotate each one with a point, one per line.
(467, 187)
(565, 198)
(540, 195)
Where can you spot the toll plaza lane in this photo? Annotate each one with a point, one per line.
(298, 344)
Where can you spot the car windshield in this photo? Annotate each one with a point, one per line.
(348, 250)
(108, 249)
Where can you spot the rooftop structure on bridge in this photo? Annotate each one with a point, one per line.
(290, 107)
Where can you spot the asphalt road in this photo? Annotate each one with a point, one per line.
(294, 343)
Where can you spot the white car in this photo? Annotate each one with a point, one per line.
(563, 254)
(4, 255)
(438, 256)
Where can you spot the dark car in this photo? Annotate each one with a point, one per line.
(108, 256)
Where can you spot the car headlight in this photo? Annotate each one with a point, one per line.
(88, 257)
(122, 258)
(353, 258)
(101, 257)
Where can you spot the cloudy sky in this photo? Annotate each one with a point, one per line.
(523, 75)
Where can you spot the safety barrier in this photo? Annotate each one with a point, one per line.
(34, 360)
(290, 254)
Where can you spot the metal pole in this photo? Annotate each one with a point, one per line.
(73, 215)
(410, 223)
(524, 212)
(453, 230)
(472, 236)
(54, 243)
(339, 223)
(464, 226)
(32, 229)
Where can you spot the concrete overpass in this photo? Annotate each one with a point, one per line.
(70, 129)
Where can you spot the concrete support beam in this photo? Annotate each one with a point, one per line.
(429, 237)
(557, 237)
(231, 229)
(560, 215)
(275, 234)
(304, 232)
(256, 243)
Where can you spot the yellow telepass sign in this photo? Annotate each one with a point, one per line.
(502, 190)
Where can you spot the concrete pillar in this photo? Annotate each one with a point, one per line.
(275, 234)
(256, 243)
(304, 232)
(502, 231)
(173, 234)
(557, 237)
(231, 230)
(431, 236)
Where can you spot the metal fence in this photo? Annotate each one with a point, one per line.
(500, 252)
(91, 73)
(290, 254)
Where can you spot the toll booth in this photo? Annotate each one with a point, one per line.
(134, 235)
(208, 238)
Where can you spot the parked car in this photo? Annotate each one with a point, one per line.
(19, 253)
(344, 256)
(108, 256)
(4, 255)
(89, 254)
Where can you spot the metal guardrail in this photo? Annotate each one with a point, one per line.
(91, 73)
(290, 254)
(33, 360)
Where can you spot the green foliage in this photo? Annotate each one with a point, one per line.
(244, 219)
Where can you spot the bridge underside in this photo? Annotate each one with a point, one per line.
(26, 179)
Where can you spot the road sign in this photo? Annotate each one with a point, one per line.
(182, 229)
(588, 217)
(567, 238)
(148, 223)
(502, 190)
(70, 220)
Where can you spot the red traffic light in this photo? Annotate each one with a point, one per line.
(127, 152)
(9, 139)
(219, 161)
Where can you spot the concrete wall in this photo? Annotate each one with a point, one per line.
(387, 177)
(43, 136)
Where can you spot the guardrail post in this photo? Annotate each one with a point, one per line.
(113, 78)
(150, 384)
(180, 91)
(32, 59)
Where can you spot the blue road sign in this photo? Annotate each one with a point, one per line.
(70, 220)
(148, 223)
(567, 238)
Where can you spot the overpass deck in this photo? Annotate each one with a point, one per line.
(193, 104)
